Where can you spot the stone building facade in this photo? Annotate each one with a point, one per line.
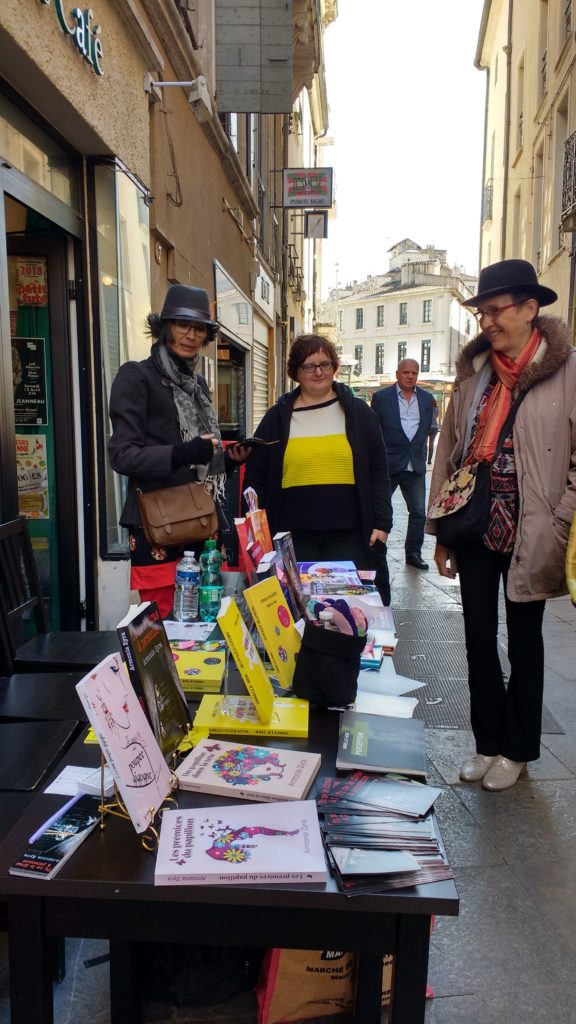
(115, 184)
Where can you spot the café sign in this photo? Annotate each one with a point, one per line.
(85, 36)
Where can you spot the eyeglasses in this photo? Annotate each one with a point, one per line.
(312, 367)
(183, 326)
(494, 311)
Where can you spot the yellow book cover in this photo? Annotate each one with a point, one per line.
(275, 625)
(237, 715)
(199, 671)
(248, 661)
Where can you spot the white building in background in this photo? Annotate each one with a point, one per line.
(413, 311)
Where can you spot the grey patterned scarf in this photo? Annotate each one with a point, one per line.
(196, 413)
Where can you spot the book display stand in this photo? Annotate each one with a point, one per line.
(115, 806)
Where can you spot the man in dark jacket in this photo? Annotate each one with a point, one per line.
(405, 415)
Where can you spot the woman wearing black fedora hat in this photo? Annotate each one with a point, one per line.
(533, 498)
(165, 431)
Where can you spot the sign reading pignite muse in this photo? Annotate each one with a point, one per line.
(84, 35)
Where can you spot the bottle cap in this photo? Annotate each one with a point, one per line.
(325, 616)
(210, 544)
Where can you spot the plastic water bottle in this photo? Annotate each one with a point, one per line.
(187, 584)
(211, 583)
(210, 565)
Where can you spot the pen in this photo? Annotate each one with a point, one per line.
(44, 828)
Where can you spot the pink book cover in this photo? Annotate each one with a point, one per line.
(242, 845)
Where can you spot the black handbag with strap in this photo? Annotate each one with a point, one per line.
(462, 505)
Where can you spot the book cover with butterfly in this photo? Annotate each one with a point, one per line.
(248, 772)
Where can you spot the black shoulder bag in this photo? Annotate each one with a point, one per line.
(462, 505)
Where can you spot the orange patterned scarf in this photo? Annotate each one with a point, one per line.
(496, 409)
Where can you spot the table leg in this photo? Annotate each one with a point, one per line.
(31, 962)
(410, 970)
(125, 1007)
(368, 1002)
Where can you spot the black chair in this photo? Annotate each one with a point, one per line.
(21, 598)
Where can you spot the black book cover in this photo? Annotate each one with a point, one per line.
(148, 656)
(378, 743)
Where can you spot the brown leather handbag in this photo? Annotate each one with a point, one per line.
(177, 515)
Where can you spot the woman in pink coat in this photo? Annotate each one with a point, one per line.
(533, 499)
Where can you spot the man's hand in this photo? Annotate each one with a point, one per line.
(378, 535)
(442, 557)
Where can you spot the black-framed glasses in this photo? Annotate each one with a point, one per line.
(187, 325)
(312, 367)
(494, 311)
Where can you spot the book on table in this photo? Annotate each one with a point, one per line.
(275, 625)
(237, 716)
(200, 670)
(148, 656)
(239, 845)
(251, 669)
(55, 842)
(337, 576)
(125, 736)
(288, 574)
(378, 743)
(247, 772)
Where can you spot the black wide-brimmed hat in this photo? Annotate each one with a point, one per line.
(510, 276)
(183, 302)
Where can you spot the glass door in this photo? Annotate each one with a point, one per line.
(42, 396)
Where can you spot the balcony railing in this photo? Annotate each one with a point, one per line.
(487, 196)
(569, 184)
(544, 73)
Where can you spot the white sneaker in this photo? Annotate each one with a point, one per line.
(503, 774)
(475, 769)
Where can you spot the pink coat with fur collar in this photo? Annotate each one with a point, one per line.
(544, 435)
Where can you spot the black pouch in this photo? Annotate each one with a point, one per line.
(327, 667)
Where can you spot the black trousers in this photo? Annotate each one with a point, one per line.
(505, 720)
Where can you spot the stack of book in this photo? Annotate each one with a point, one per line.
(381, 834)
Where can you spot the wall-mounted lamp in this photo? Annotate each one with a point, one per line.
(198, 97)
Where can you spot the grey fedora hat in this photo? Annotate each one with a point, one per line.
(183, 302)
(510, 276)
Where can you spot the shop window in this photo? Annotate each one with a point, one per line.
(121, 302)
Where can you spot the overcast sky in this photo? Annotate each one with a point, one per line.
(407, 118)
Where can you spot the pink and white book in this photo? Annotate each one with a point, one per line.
(128, 744)
(241, 845)
(247, 772)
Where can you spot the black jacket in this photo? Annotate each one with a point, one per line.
(264, 467)
(145, 429)
(400, 449)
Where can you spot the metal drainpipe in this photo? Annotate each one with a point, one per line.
(572, 284)
(507, 128)
(284, 287)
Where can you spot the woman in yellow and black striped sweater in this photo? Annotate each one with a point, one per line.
(327, 480)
